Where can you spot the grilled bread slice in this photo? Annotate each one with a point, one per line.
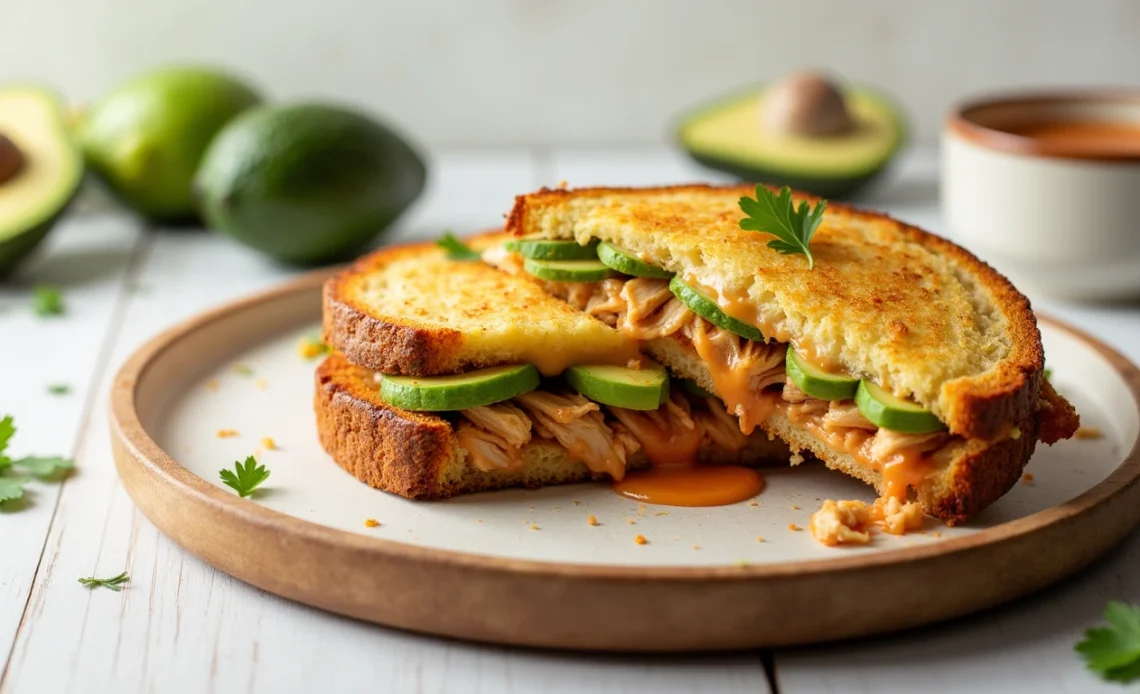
(421, 456)
(411, 310)
(885, 301)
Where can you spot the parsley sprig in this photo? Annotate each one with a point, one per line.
(776, 215)
(1114, 652)
(456, 249)
(47, 300)
(16, 474)
(245, 477)
(115, 583)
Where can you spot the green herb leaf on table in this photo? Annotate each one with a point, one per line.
(45, 466)
(776, 215)
(59, 389)
(245, 477)
(456, 249)
(1114, 652)
(12, 488)
(115, 583)
(7, 430)
(47, 300)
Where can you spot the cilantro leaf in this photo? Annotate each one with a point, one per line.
(115, 583)
(7, 429)
(43, 466)
(1114, 653)
(776, 215)
(245, 477)
(59, 389)
(47, 300)
(456, 249)
(12, 488)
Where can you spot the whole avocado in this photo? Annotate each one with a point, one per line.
(307, 183)
(145, 139)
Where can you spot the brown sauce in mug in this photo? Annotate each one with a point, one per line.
(1091, 137)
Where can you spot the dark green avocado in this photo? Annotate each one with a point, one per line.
(40, 170)
(736, 135)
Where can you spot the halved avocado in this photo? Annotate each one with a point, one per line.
(41, 169)
(732, 135)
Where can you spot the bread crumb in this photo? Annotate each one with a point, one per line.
(261, 383)
(268, 444)
(795, 508)
(631, 521)
(661, 513)
(227, 433)
(563, 184)
(640, 540)
(577, 503)
(754, 503)
(534, 526)
(796, 459)
(591, 519)
(213, 385)
(759, 538)
(1088, 433)
(841, 523)
(696, 546)
(794, 527)
(1027, 478)
(896, 517)
(641, 510)
(371, 523)
(478, 520)
(531, 508)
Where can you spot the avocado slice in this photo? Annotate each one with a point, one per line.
(884, 409)
(42, 168)
(568, 270)
(730, 135)
(634, 389)
(627, 264)
(818, 383)
(549, 249)
(706, 308)
(459, 391)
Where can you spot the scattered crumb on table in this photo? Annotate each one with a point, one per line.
(795, 508)
(759, 538)
(371, 523)
(269, 444)
(213, 385)
(577, 503)
(1027, 478)
(534, 526)
(227, 433)
(661, 513)
(631, 521)
(1088, 433)
(261, 383)
(754, 503)
(478, 520)
(591, 519)
(640, 540)
(696, 546)
(793, 526)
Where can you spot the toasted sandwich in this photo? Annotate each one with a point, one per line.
(890, 354)
(451, 376)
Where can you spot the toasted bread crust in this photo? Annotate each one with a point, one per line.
(978, 407)
(385, 344)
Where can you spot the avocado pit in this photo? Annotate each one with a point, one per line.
(806, 103)
(11, 159)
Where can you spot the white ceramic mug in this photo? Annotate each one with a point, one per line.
(1059, 218)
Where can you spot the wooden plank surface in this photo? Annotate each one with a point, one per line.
(87, 257)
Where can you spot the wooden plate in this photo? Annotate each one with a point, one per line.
(525, 567)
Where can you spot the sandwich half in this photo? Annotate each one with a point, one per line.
(896, 357)
(451, 376)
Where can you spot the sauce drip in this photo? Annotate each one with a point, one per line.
(676, 478)
(692, 485)
(733, 385)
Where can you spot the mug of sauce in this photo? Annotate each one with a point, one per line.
(1046, 187)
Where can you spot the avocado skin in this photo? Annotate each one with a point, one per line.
(15, 249)
(836, 188)
(309, 183)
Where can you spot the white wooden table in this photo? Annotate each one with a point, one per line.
(181, 626)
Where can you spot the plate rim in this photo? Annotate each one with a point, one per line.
(128, 427)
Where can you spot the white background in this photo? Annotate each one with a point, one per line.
(495, 72)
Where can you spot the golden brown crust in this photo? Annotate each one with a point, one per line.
(386, 344)
(395, 450)
(980, 407)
